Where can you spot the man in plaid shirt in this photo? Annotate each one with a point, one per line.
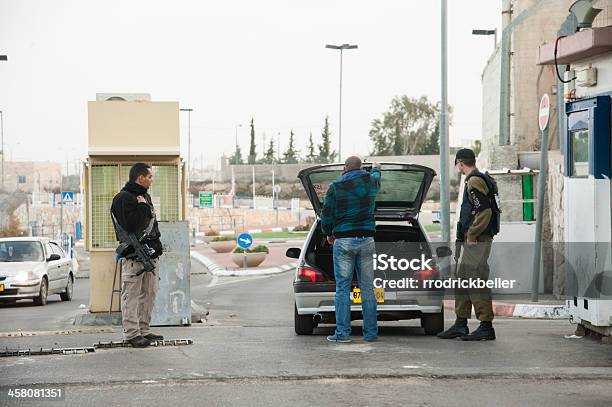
(348, 222)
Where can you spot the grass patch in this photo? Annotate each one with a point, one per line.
(434, 227)
(280, 235)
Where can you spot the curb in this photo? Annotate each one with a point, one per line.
(528, 311)
(219, 271)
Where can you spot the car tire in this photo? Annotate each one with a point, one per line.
(304, 325)
(43, 293)
(433, 323)
(67, 295)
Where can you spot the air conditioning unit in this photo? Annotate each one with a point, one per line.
(123, 97)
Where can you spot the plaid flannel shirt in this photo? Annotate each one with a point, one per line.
(350, 202)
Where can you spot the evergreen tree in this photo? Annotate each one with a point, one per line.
(269, 156)
(311, 157)
(237, 157)
(252, 150)
(326, 155)
(291, 155)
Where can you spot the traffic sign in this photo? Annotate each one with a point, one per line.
(544, 112)
(206, 199)
(67, 197)
(245, 240)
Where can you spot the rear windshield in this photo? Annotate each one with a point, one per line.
(397, 185)
(14, 252)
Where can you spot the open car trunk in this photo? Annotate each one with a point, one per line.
(405, 241)
(402, 191)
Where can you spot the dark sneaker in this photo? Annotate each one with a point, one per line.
(153, 337)
(335, 338)
(374, 339)
(139, 342)
(457, 330)
(484, 332)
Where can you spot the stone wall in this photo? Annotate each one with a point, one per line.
(556, 221)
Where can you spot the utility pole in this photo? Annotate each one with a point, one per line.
(2, 143)
(188, 140)
(341, 48)
(444, 183)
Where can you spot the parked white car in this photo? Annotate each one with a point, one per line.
(33, 268)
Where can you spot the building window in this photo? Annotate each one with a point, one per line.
(580, 154)
(21, 179)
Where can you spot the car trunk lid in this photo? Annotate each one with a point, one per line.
(402, 191)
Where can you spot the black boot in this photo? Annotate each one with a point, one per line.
(484, 332)
(153, 338)
(458, 329)
(139, 342)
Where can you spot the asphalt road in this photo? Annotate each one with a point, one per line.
(247, 354)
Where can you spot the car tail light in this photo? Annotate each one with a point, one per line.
(311, 275)
(427, 274)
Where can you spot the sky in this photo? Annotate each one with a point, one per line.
(231, 61)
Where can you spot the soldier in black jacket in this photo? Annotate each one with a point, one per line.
(133, 210)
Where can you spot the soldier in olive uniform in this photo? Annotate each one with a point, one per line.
(478, 223)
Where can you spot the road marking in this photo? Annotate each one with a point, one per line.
(60, 332)
(213, 282)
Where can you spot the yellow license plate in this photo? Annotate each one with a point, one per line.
(378, 292)
(1, 287)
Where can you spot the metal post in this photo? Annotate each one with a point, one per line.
(189, 143)
(504, 94)
(61, 206)
(340, 113)
(537, 247)
(273, 189)
(444, 183)
(2, 142)
(253, 167)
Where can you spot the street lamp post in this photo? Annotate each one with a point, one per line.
(487, 32)
(444, 144)
(236, 143)
(341, 48)
(188, 139)
(2, 58)
(2, 143)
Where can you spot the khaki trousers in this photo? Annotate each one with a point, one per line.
(473, 264)
(137, 297)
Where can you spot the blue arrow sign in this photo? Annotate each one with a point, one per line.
(245, 240)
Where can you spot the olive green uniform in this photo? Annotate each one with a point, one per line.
(474, 260)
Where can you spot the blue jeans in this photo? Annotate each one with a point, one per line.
(355, 253)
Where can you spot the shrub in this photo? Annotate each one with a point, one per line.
(302, 228)
(223, 238)
(257, 249)
(211, 232)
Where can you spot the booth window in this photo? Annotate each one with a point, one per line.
(580, 154)
(108, 179)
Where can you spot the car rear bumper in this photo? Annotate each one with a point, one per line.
(404, 301)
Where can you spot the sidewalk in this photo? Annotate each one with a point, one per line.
(520, 306)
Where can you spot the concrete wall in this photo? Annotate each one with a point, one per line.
(288, 172)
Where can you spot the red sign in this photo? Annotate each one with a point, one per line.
(544, 112)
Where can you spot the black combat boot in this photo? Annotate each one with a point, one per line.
(484, 332)
(153, 338)
(139, 342)
(458, 329)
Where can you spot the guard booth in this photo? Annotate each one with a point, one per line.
(588, 213)
(121, 133)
